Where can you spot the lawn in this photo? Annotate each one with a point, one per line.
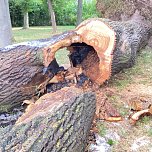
(41, 32)
(36, 32)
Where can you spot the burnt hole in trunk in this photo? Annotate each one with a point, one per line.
(83, 64)
(80, 52)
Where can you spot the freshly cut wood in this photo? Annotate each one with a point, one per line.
(57, 122)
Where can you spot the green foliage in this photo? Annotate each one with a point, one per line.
(28, 5)
(150, 132)
(110, 142)
(89, 10)
(65, 11)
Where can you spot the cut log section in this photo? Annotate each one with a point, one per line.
(92, 37)
(57, 122)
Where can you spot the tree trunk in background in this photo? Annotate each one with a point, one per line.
(79, 12)
(52, 14)
(5, 24)
(26, 20)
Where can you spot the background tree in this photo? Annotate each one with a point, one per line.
(52, 15)
(79, 12)
(65, 12)
(5, 24)
(26, 7)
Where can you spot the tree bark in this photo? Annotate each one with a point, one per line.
(79, 12)
(21, 70)
(26, 20)
(56, 122)
(5, 24)
(52, 15)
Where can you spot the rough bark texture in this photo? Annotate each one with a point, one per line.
(21, 69)
(56, 122)
(124, 9)
(17, 68)
(131, 37)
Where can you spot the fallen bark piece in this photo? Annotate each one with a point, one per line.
(135, 117)
(105, 110)
(113, 119)
(139, 103)
(57, 122)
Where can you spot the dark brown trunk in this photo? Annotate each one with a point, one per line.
(52, 15)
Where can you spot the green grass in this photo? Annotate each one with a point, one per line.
(41, 32)
(102, 129)
(110, 142)
(142, 71)
(150, 132)
(33, 33)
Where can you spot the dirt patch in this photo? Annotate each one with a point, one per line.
(132, 85)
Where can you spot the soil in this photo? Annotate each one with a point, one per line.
(130, 86)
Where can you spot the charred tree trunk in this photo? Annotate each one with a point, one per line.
(56, 122)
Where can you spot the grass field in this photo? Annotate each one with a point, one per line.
(37, 32)
(41, 32)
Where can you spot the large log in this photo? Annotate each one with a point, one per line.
(57, 122)
(21, 71)
(60, 121)
(102, 47)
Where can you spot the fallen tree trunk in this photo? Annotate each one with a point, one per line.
(57, 122)
(99, 47)
(21, 71)
(102, 47)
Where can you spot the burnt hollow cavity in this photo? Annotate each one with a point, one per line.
(80, 55)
